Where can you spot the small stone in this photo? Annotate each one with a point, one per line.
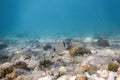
(81, 78)
(62, 70)
(73, 78)
(92, 69)
(83, 68)
(112, 75)
(64, 77)
(118, 78)
(118, 71)
(21, 77)
(45, 78)
(105, 74)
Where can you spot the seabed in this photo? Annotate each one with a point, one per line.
(85, 58)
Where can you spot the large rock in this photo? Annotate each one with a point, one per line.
(3, 58)
(20, 65)
(103, 42)
(33, 63)
(113, 66)
(47, 46)
(77, 50)
(7, 67)
(2, 74)
(15, 74)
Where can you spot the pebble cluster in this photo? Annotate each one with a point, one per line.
(59, 60)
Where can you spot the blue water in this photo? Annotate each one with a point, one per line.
(59, 17)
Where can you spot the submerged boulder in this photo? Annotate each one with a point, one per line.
(5, 69)
(15, 74)
(77, 50)
(20, 65)
(47, 46)
(3, 58)
(113, 66)
(103, 42)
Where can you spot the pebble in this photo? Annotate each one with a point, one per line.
(45, 78)
(62, 70)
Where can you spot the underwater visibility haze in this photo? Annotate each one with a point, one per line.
(59, 17)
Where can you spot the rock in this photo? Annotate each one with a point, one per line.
(20, 57)
(7, 67)
(68, 41)
(34, 43)
(3, 58)
(47, 46)
(62, 70)
(64, 77)
(73, 78)
(3, 45)
(2, 74)
(103, 42)
(92, 69)
(20, 64)
(88, 40)
(55, 73)
(112, 76)
(21, 77)
(15, 74)
(113, 66)
(118, 78)
(46, 63)
(104, 74)
(84, 68)
(45, 78)
(34, 76)
(81, 78)
(33, 63)
(77, 50)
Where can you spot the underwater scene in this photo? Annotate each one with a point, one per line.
(59, 39)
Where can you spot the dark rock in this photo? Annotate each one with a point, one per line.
(47, 46)
(7, 67)
(18, 56)
(103, 42)
(2, 74)
(92, 69)
(46, 63)
(20, 65)
(77, 50)
(3, 58)
(15, 74)
(113, 66)
(3, 45)
(34, 43)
